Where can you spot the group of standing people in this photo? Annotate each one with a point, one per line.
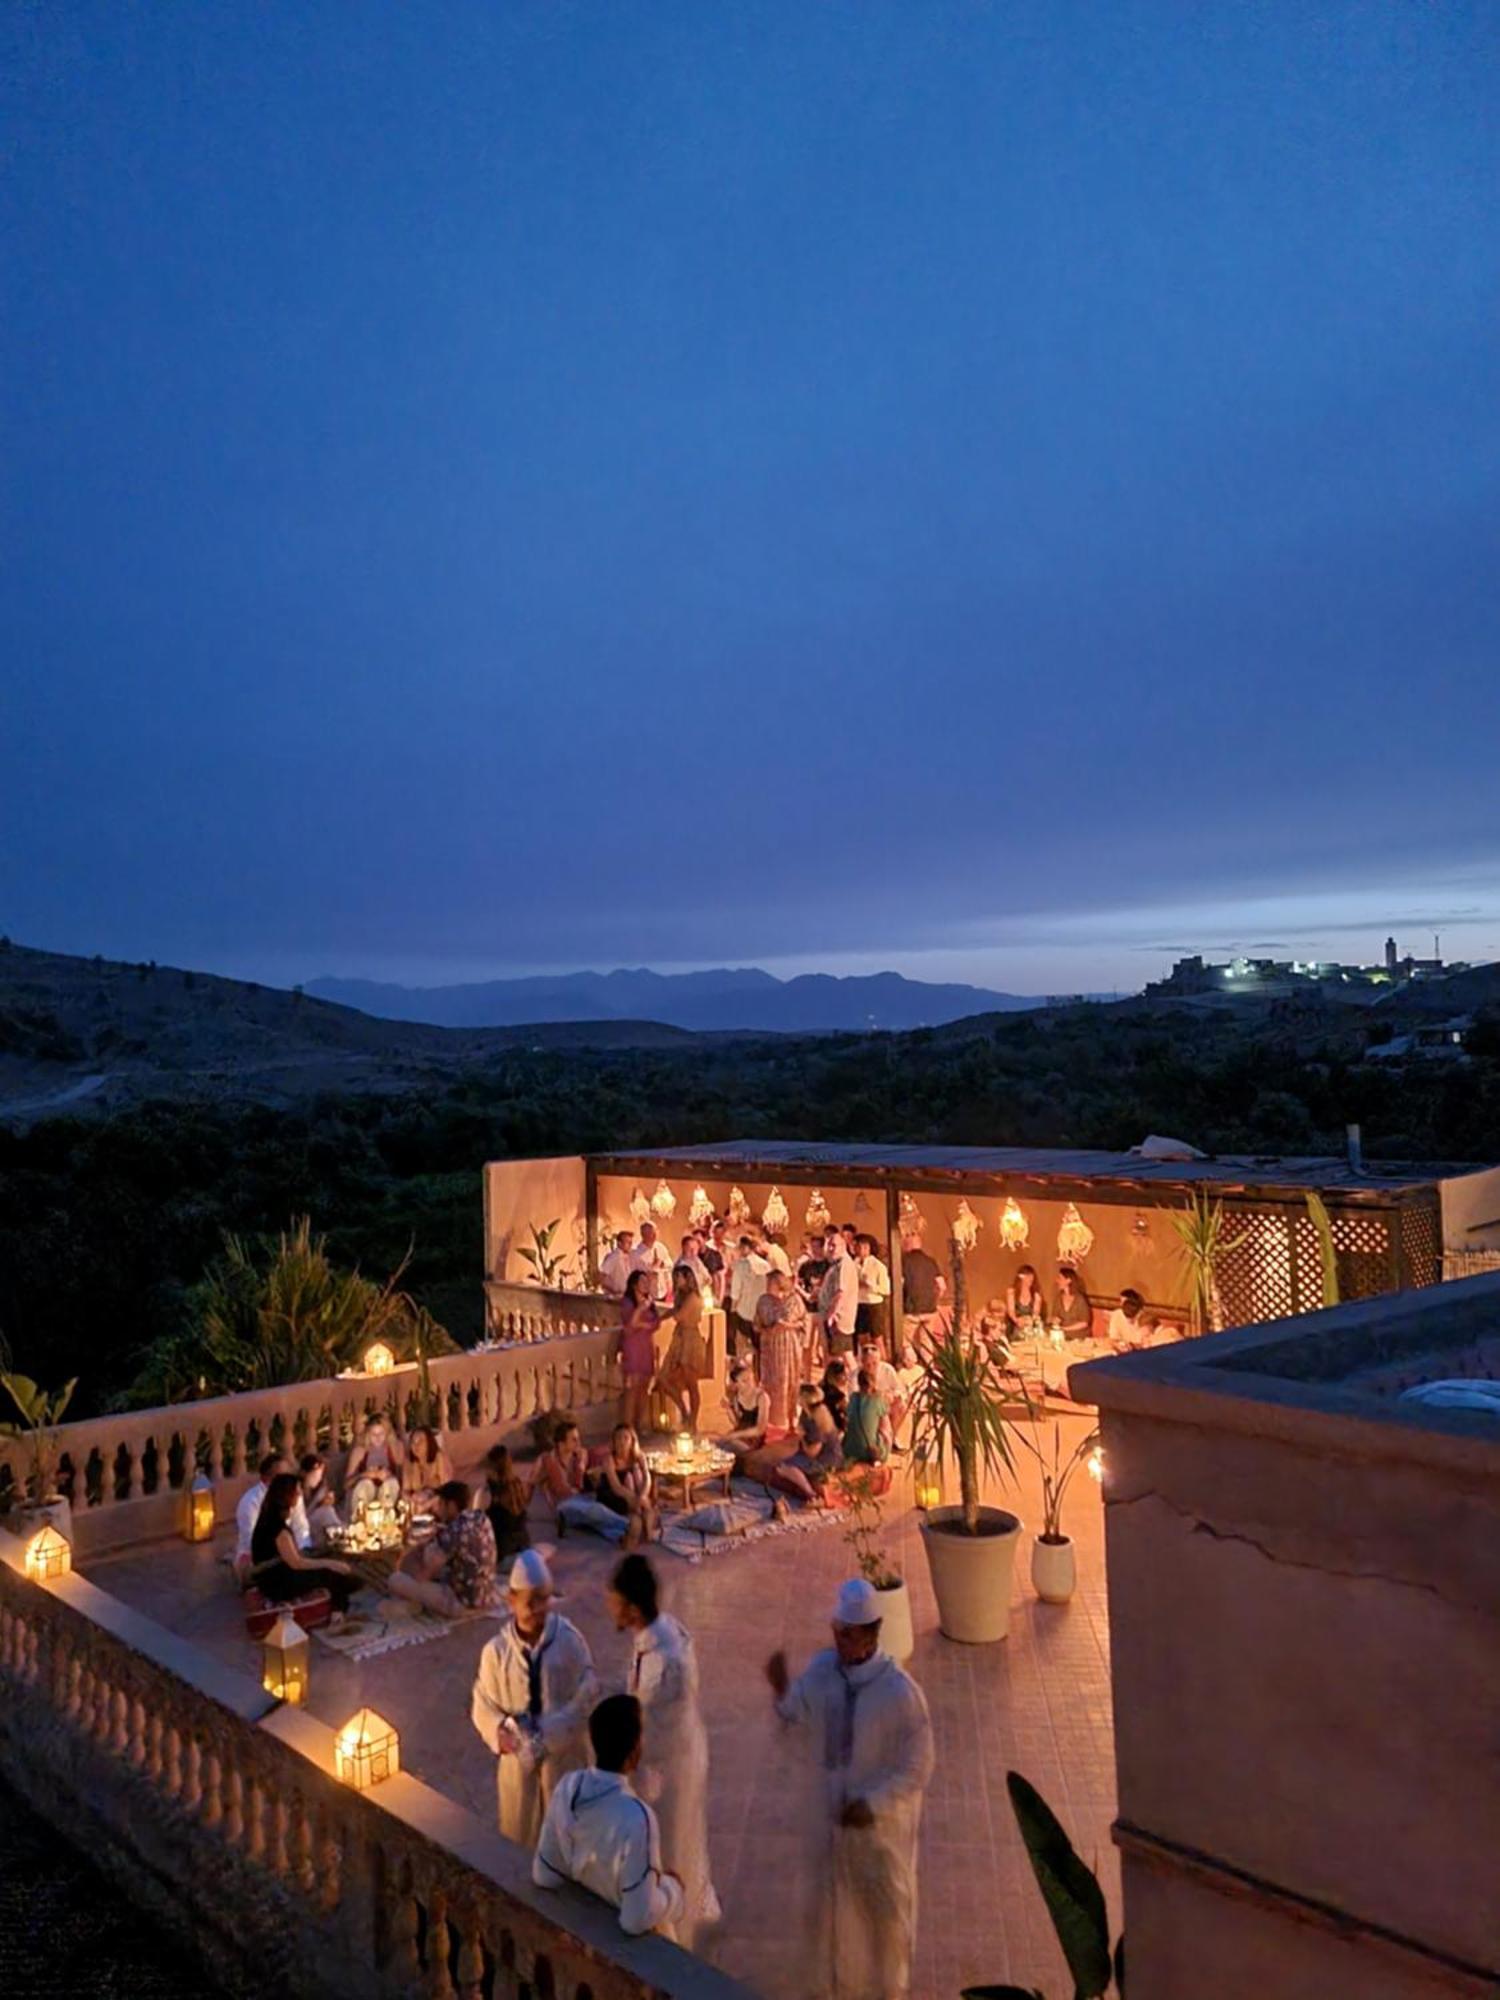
(611, 1791)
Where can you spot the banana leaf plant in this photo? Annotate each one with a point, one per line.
(1074, 1900)
(547, 1265)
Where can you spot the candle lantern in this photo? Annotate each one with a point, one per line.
(640, 1208)
(738, 1210)
(198, 1512)
(366, 1751)
(379, 1359)
(284, 1674)
(1014, 1228)
(965, 1227)
(685, 1447)
(700, 1208)
(664, 1202)
(775, 1214)
(48, 1554)
(819, 1215)
(929, 1490)
(1074, 1237)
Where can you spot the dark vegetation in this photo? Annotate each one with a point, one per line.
(105, 1224)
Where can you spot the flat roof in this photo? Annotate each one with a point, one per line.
(801, 1159)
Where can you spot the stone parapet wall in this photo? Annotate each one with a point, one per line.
(219, 1812)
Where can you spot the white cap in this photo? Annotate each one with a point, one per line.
(858, 1603)
(529, 1571)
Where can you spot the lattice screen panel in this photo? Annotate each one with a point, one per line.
(1362, 1244)
(1421, 1250)
(1255, 1278)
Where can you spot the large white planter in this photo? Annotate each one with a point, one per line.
(896, 1637)
(971, 1574)
(1054, 1571)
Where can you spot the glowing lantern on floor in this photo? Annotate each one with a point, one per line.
(819, 1215)
(965, 1227)
(739, 1209)
(1074, 1238)
(685, 1447)
(284, 1675)
(700, 1208)
(48, 1555)
(379, 1359)
(366, 1751)
(199, 1515)
(663, 1202)
(1014, 1228)
(929, 1490)
(775, 1215)
(640, 1208)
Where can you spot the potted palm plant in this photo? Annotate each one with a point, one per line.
(959, 1415)
(1202, 1240)
(866, 1518)
(1054, 1570)
(39, 1499)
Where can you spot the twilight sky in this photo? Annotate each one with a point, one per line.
(1001, 490)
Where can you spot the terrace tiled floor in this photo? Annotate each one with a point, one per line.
(1040, 1702)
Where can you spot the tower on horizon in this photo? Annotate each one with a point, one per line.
(1390, 956)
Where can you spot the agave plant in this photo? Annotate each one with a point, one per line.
(959, 1413)
(1202, 1242)
(1074, 1900)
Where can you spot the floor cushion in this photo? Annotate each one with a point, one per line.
(316, 1608)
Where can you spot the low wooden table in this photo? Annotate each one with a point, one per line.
(689, 1475)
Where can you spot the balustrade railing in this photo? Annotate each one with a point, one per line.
(515, 1312)
(123, 1473)
(222, 1812)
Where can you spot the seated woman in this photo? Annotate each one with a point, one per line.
(819, 1448)
(835, 1388)
(1025, 1308)
(867, 1424)
(562, 1470)
(623, 1485)
(373, 1468)
(317, 1495)
(1075, 1311)
(508, 1501)
(748, 1408)
(686, 1362)
(279, 1570)
(426, 1467)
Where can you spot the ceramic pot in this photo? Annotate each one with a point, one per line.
(971, 1574)
(1054, 1572)
(896, 1636)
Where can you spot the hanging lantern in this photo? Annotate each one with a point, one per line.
(1074, 1237)
(928, 1486)
(912, 1219)
(819, 1214)
(700, 1208)
(1014, 1228)
(284, 1670)
(861, 1203)
(366, 1751)
(685, 1447)
(379, 1359)
(739, 1208)
(1140, 1235)
(775, 1215)
(640, 1208)
(197, 1511)
(965, 1227)
(663, 1202)
(48, 1555)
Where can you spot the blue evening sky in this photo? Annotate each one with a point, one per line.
(1004, 491)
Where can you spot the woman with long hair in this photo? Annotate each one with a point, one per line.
(278, 1568)
(625, 1486)
(747, 1406)
(687, 1357)
(317, 1493)
(1025, 1308)
(508, 1501)
(820, 1449)
(673, 1771)
(426, 1468)
(639, 1320)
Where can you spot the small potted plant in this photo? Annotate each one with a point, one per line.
(42, 1502)
(960, 1414)
(866, 1519)
(1054, 1570)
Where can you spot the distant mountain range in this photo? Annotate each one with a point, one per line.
(724, 1000)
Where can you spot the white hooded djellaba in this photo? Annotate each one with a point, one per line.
(673, 1772)
(868, 1727)
(531, 1705)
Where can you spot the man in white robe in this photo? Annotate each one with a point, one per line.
(867, 1725)
(673, 1774)
(532, 1695)
(599, 1834)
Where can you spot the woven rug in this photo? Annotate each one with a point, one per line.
(390, 1623)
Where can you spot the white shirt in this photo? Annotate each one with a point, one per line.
(747, 1283)
(701, 1278)
(599, 1834)
(655, 1257)
(615, 1271)
(778, 1260)
(874, 1282)
(248, 1513)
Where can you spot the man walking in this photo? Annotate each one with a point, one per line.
(866, 1723)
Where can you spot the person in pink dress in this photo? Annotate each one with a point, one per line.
(781, 1326)
(639, 1320)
